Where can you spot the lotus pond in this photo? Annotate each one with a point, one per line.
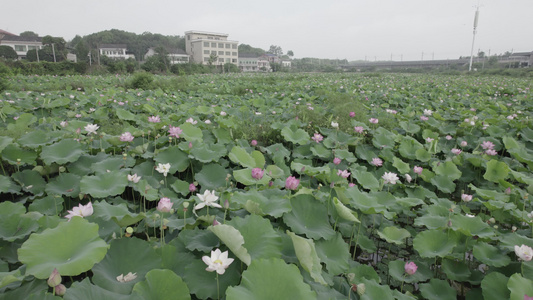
(267, 186)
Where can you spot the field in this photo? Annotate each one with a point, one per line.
(266, 186)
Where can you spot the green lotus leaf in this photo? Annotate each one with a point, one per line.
(422, 154)
(208, 153)
(8, 186)
(34, 139)
(310, 217)
(147, 191)
(178, 160)
(268, 279)
(86, 290)
(408, 147)
(432, 243)
(366, 179)
(519, 286)
(496, 171)
(374, 290)
(399, 296)
(455, 270)
(471, 226)
(401, 166)
(203, 284)
(67, 184)
(357, 272)
(260, 239)
(275, 172)
(334, 253)
(298, 136)
(62, 152)
(448, 169)
(443, 183)
(83, 165)
(321, 151)
(71, 247)
(233, 239)
(190, 132)
(432, 221)
(307, 256)
(244, 176)
(33, 287)
(383, 138)
(14, 227)
(345, 155)
(11, 208)
(118, 213)
(4, 142)
(310, 170)
(180, 186)
(240, 156)
(12, 153)
(50, 205)
(30, 181)
(123, 114)
(509, 240)
(410, 202)
(437, 289)
(162, 284)
(212, 176)
(410, 127)
(494, 286)
(64, 101)
(6, 278)
(112, 163)
(344, 212)
(198, 239)
(124, 256)
(397, 271)
(394, 235)
(104, 185)
(272, 202)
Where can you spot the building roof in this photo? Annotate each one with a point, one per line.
(16, 38)
(177, 51)
(206, 32)
(113, 46)
(3, 32)
(248, 55)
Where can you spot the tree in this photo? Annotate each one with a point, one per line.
(29, 34)
(212, 59)
(276, 50)
(290, 53)
(8, 52)
(244, 48)
(481, 54)
(59, 47)
(82, 51)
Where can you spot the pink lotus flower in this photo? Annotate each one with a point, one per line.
(343, 173)
(80, 211)
(164, 205)
(359, 129)
(253, 143)
(351, 184)
(154, 119)
(429, 140)
(192, 188)
(337, 160)
(292, 183)
(464, 143)
(410, 268)
(192, 121)
(466, 197)
(373, 120)
(376, 162)
(526, 297)
(175, 131)
(126, 137)
(449, 137)
(487, 145)
(257, 173)
(423, 118)
(418, 170)
(352, 114)
(456, 151)
(317, 137)
(491, 152)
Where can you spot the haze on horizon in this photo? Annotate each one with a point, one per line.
(343, 29)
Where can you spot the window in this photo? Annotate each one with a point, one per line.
(234, 60)
(206, 58)
(228, 53)
(214, 52)
(228, 60)
(221, 60)
(228, 46)
(32, 48)
(206, 44)
(209, 37)
(206, 51)
(234, 46)
(213, 45)
(220, 52)
(234, 53)
(20, 47)
(220, 45)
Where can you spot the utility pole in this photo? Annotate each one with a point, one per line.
(54, 52)
(37, 52)
(476, 17)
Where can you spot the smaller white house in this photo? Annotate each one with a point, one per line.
(248, 62)
(176, 56)
(115, 51)
(286, 63)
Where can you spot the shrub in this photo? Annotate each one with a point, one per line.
(141, 80)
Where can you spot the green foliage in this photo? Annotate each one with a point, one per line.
(141, 80)
(7, 52)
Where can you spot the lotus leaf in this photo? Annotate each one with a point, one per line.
(309, 217)
(233, 239)
(438, 289)
(162, 284)
(490, 255)
(432, 243)
(307, 256)
(494, 286)
(104, 185)
(62, 152)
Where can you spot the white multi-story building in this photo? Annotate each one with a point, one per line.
(115, 51)
(176, 56)
(210, 47)
(21, 44)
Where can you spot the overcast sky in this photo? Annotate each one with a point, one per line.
(351, 29)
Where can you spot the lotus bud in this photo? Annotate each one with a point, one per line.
(492, 220)
(514, 228)
(495, 226)
(350, 276)
(60, 290)
(508, 191)
(226, 204)
(361, 289)
(215, 222)
(54, 278)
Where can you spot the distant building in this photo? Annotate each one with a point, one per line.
(115, 51)
(524, 59)
(248, 62)
(205, 47)
(20, 44)
(176, 56)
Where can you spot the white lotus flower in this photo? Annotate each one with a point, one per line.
(80, 211)
(390, 177)
(334, 124)
(428, 112)
(91, 128)
(163, 168)
(129, 277)
(208, 199)
(134, 178)
(524, 252)
(218, 261)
